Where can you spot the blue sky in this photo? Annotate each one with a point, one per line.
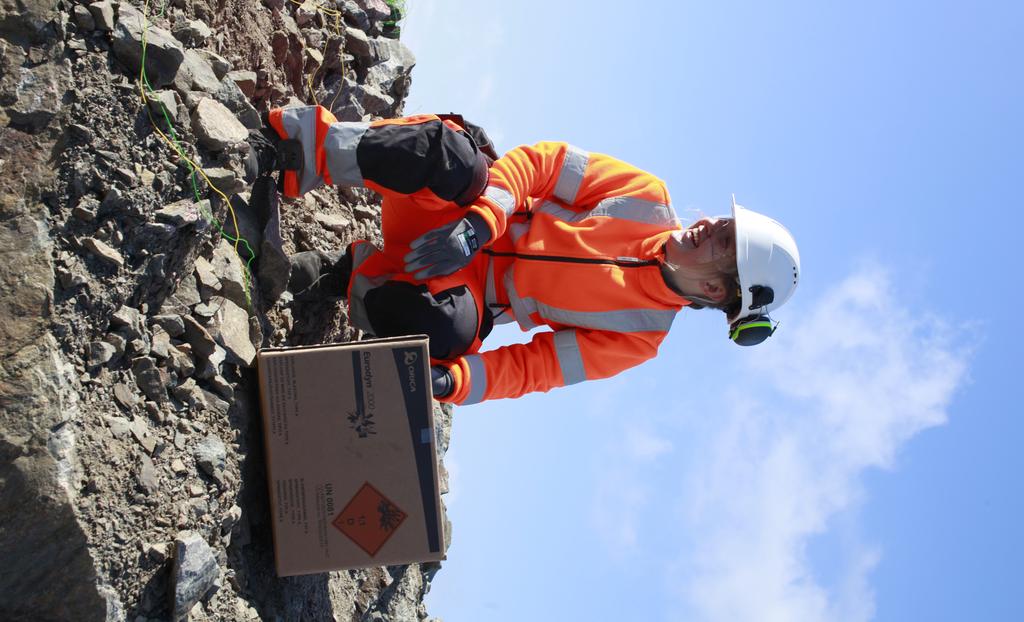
(862, 465)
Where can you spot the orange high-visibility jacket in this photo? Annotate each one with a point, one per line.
(578, 243)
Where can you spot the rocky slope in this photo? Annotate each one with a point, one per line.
(131, 469)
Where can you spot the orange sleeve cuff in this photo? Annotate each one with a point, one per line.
(493, 215)
(459, 370)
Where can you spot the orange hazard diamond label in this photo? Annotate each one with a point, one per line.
(369, 519)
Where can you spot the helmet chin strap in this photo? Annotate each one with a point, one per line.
(700, 300)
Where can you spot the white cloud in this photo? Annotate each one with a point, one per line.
(624, 490)
(642, 444)
(848, 385)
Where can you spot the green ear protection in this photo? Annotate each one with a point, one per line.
(753, 329)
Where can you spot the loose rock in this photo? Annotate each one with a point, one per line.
(163, 52)
(140, 430)
(211, 456)
(197, 336)
(172, 324)
(237, 102)
(194, 32)
(125, 396)
(182, 213)
(216, 127)
(161, 344)
(220, 65)
(149, 478)
(333, 222)
(231, 272)
(83, 18)
(232, 322)
(103, 15)
(128, 320)
(196, 74)
(103, 251)
(160, 102)
(206, 275)
(194, 574)
(150, 380)
(245, 80)
(100, 353)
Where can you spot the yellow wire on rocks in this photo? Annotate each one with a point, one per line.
(194, 168)
(172, 141)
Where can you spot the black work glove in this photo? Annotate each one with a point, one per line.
(441, 381)
(448, 248)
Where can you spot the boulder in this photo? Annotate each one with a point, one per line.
(231, 95)
(149, 378)
(231, 324)
(357, 42)
(82, 17)
(104, 252)
(225, 180)
(192, 32)
(395, 61)
(198, 337)
(103, 15)
(220, 65)
(211, 456)
(182, 213)
(244, 80)
(37, 92)
(164, 101)
(100, 353)
(172, 324)
(230, 269)
(194, 574)
(216, 127)
(28, 21)
(164, 53)
(196, 74)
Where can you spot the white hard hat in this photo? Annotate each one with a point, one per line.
(768, 264)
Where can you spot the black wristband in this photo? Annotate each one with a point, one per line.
(441, 381)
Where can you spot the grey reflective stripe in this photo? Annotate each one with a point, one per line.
(361, 251)
(561, 213)
(636, 210)
(620, 321)
(571, 175)
(340, 146)
(567, 348)
(517, 229)
(477, 379)
(622, 208)
(520, 306)
(362, 284)
(300, 124)
(505, 199)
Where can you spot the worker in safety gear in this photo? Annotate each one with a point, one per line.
(547, 235)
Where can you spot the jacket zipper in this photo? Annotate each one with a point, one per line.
(622, 263)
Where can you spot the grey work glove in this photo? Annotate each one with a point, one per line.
(440, 381)
(448, 248)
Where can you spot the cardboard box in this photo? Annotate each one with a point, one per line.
(351, 455)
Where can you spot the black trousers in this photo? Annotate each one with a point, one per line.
(449, 317)
(453, 165)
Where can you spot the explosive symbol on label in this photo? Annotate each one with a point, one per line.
(369, 519)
